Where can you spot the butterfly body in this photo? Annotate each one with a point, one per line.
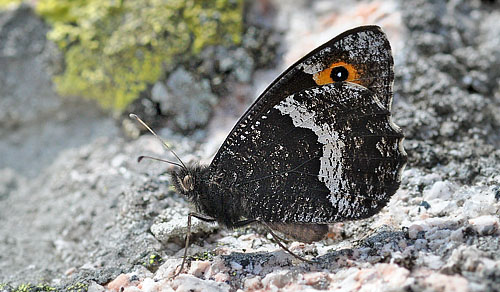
(209, 198)
(317, 147)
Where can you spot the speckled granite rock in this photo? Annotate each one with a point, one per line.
(99, 218)
(440, 232)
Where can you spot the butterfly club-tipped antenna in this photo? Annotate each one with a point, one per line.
(182, 165)
(140, 158)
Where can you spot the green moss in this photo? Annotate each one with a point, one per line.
(153, 262)
(114, 49)
(23, 288)
(203, 256)
(78, 287)
(43, 287)
(28, 287)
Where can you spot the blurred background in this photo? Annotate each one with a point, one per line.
(75, 205)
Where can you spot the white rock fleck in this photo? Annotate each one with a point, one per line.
(485, 225)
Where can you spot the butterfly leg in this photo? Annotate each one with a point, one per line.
(244, 222)
(202, 217)
(188, 235)
(278, 240)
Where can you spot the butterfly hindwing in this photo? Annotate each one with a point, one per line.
(312, 150)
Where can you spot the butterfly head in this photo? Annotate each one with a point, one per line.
(188, 181)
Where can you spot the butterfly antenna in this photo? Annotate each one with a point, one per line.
(134, 116)
(140, 158)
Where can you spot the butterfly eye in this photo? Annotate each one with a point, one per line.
(187, 183)
(339, 74)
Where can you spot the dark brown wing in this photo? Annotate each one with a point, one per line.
(314, 150)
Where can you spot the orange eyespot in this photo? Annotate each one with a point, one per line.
(337, 72)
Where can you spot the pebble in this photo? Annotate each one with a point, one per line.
(168, 269)
(236, 266)
(94, 287)
(440, 282)
(316, 278)
(199, 268)
(189, 283)
(150, 285)
(253, 283)
(440, 190)
(413, 230)
(122, 281)
(485, 225)
(277, 279)
(457, 235)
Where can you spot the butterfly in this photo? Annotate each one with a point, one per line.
(318, 146)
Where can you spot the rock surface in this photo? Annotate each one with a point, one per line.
(92, 215)
(25, 58)
(188, 100)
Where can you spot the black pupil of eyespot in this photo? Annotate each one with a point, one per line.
(339, 74)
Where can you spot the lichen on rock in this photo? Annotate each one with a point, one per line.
(115, 49)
